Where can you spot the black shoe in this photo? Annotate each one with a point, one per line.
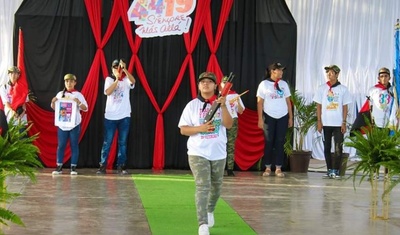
(58, 170)
(121, 170)
(230, 173)
(73, 170)
(101, 170)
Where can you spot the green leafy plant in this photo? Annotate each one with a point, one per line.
(304, 119)
(376, 149)
(18, 157)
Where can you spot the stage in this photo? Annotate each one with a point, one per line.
(110, 204)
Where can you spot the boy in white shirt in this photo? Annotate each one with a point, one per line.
(332, 100)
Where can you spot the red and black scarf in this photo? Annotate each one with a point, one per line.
(206, 101)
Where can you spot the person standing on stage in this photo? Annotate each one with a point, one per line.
(332, 100)
(381, 99)
(206, 147)
(117, 115)
(6, 93)
(237, 107)
(67, 132)
(274, 116)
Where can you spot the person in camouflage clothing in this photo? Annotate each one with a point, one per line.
(237, 107)
(206, 147)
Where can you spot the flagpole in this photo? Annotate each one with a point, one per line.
(396, 72)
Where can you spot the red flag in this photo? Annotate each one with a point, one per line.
(363, 115)
(20, 91)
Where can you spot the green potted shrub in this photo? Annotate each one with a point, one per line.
(304, 119)
(376, 150)
(18, 157)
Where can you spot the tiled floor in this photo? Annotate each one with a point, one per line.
(296, 204)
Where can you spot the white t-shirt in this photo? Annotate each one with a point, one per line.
(332, 103)
(234, 105)
(71, 96)
(118, 105)
(5, 93)
(274, 101)
(382, 104)
(210, 145)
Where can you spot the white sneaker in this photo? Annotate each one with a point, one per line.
(203, 230)
(210, 219)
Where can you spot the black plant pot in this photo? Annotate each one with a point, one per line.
(299, 161)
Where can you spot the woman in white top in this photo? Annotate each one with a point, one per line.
(65, 131)
(274, 116)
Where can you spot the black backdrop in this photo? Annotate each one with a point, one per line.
(59, 40)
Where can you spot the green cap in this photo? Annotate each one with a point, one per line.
(209, 75)
(333, 67)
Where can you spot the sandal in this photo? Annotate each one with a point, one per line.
(279, 173)
(267, 172)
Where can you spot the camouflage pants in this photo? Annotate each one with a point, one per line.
(208, 176)
(231, 135)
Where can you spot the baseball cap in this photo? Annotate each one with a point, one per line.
(69, 76)
(384, 70)
(333, 67)
(115, 62)
(14, 69)
(209, 75)
(276, 65)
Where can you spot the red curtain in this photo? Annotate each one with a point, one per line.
(249, 145)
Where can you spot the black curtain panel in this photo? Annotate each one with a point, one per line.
(58, 40)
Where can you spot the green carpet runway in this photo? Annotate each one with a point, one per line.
(169, 206)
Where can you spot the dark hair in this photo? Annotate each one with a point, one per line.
(267, 73)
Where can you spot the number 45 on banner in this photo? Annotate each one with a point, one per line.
(140, 10)
(158, 18)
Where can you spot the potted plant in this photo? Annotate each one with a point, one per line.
(376, 150)
(304, 119)
(18, 157)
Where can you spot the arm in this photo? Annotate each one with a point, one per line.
(260, 107)
(240, 107)
(81, 105)
(53, 101)
(110, 89)
(192, 130)
(290, 111)
(345, 111)
(319, 120)
(227, 120)
(129, 75)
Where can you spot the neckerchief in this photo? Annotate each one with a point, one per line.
(73, 90)
(123, 75)
(206, 101)
(379, 85)
(276, 83)
(332, 86)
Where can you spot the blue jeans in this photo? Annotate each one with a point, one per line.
(110, 126)
(73, 136)
(274, 138)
